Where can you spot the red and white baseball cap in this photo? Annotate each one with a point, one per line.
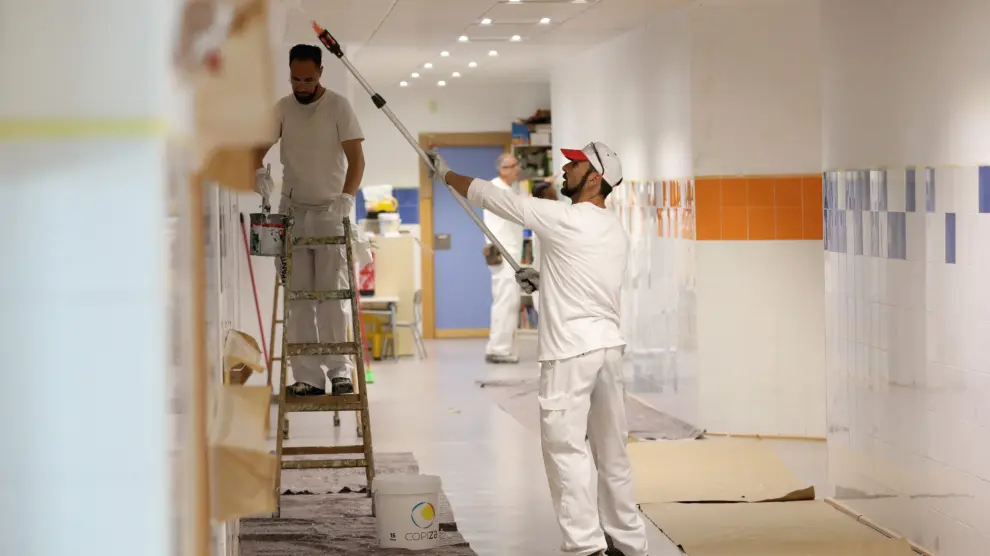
(602, 159)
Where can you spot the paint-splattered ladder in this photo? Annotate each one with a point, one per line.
(361, 454)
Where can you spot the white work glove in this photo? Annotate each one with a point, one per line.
(440, 167)
(343, 205)
(263, 184)
(528, 279)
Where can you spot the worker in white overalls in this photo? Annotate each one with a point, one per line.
(323, 163)
(505, 291)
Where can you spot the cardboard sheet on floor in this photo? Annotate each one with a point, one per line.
(805, 528)
(712, 470)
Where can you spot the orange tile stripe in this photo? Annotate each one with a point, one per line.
(759, 208)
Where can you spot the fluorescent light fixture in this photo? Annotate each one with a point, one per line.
(456, 74)
(441, 83)
(415, 75)
(493, 53)
(427, 65)
(516, 38)
(403, 83)
(545, 21)
(444, 54)
(513, 1)
(473, 64)
(486, 21)
(463, 38)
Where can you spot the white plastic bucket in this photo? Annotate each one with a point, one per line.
(406, 511)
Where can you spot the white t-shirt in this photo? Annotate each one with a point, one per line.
(313, 160)
(583, 250)
(508, 233)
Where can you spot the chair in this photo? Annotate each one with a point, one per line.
(415, 327)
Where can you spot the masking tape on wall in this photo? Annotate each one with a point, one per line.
(15, 129)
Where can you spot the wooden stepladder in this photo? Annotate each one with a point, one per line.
(359, 455)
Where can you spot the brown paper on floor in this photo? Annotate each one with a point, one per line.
(712, 470)
(242, 467)
(801, 528)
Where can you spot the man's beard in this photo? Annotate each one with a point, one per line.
(305, 99)
(567, 191)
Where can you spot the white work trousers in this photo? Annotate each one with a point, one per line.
(505, 310)
(318, 268)
(584, 396)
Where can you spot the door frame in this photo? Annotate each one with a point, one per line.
(428, 141)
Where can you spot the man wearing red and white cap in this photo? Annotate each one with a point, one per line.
(582, 397)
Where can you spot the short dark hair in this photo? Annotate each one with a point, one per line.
(306, 52)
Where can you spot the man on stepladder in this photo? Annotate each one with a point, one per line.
(323, 163)
(505, 291)
(581, 396)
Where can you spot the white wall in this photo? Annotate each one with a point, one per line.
(423, 107)
(720, 88)
(908, 374)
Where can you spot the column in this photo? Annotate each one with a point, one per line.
(83, 319)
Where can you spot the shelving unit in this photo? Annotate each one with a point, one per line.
(531, 145)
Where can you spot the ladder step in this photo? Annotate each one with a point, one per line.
(324, 463)
(321, 450)
(320, 296)
(335, 240)
(347, 402)
(342, 348)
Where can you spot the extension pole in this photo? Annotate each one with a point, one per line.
(333, 46)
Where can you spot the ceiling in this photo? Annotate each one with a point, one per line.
(388, 40)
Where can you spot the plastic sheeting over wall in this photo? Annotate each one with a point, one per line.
(658, 301)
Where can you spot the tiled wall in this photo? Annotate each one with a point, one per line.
(658, 298)
(760, 207)
(907, 358)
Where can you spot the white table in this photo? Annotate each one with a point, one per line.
(391, 303)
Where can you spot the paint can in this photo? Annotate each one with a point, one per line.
(268, 234)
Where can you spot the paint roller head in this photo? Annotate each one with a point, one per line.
(328, 41)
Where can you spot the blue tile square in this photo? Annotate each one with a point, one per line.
(857, 217)
(882, 191)
(950, 238)
(984, 188)
(874, 234)
(930, 189)
(843, 232)
(910, 191)
(897, 235)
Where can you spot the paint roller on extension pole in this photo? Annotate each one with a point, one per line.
(333, 46)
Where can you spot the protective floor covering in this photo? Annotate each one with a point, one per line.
(328, 512)
(517, 397)
(803, 528)
(712, 470)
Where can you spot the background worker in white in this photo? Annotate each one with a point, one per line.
(323, 163)
(583, 259)
(505, 291)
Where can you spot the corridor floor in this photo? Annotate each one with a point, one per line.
(490, 464)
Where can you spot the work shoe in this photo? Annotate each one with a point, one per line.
(341, 386)
(501, 359)
(301, 389)
(611, 550)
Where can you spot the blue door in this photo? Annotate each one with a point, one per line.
(462, 283)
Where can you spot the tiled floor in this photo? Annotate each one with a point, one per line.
(491, 466)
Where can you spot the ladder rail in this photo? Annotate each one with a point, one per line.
(357, 330)
(286, 272)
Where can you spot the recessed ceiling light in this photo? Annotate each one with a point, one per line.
(545, 21)
(415, 75)
(463, 38)
(427, 65)
(513, 1)
(403, 83)
(456, 74)
(442, 83)
(516, 38)
(493, 53)
(445, 54)
(473, 65)
(486, 21)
